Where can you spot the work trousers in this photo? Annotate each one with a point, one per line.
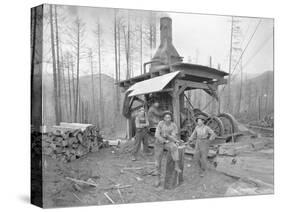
(159, 151)
(201, 153)
(141, 137)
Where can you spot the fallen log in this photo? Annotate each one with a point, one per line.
(254, 167)
(247, 188)
(261, 128)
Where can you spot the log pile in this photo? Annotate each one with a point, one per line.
(70, 141)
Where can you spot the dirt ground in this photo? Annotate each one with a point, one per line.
(105, 168)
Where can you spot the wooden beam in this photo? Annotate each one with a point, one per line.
(191, 84)
(212, 93)
(127, 84)
(176, 104)
(200, 73)
(182, 89)
(154, 74)
(162, 72)
(129, 128)
(131, 102)
(140, 100)
(221, 82)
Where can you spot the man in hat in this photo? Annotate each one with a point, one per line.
(141, 136)
(154, 114)
(202, 135)
(166, 138)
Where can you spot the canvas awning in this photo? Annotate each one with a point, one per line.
(152, 85)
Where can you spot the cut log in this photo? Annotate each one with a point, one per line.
(71, 141)
(173, 178)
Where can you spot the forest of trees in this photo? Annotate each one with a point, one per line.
(84, 60)
(75, 51)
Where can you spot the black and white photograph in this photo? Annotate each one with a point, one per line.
(134, 106)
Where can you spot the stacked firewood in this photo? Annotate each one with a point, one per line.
(70, 141)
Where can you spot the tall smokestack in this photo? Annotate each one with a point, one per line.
(166, 53)
(165, 30)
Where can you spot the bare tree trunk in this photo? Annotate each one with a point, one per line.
(119, 52)
(77, 70)
(100, 85)
(141, 48)
(116, 62)
(129, 45)
(79, 115)
(33, 26)
(64, 89)
(73, 87)
(93, 88)
(257, 102)
(127, 48)
(54, 66)
(58, 64)
(267, 93)
(229, 71)
(69, 89)
(119, 64)
(241, 89)
(82, 112)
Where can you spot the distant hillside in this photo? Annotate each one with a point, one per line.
(264, 78)
(108, 101)
(257, 96)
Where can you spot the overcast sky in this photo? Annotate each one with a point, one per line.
(195, 36)
(210, 35)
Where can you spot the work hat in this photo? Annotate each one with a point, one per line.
(167, 112)
(203, 118)
(141, 109)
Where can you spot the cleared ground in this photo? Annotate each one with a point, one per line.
(106, 168)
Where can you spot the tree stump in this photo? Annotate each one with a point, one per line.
(172, 178)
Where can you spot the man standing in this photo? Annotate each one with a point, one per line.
(154, 115)
(141, 133)
(202, 135)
